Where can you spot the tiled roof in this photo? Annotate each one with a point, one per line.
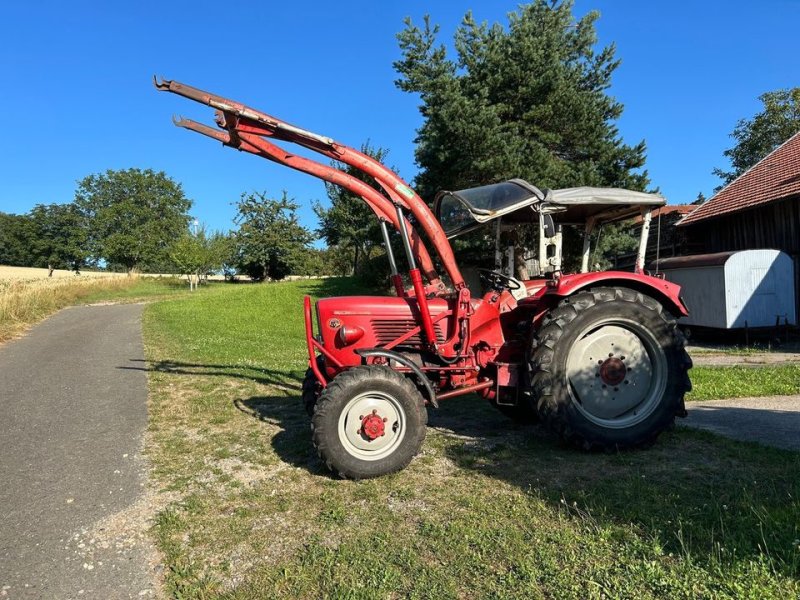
(776, 176)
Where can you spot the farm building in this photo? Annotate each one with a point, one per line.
(760, 209)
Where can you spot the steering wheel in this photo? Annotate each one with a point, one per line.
(498, 281)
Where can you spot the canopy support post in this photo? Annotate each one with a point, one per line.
(587, 245)
(419, 288)
(640, 257)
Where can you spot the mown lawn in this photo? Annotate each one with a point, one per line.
(489, 508)
(712, 383)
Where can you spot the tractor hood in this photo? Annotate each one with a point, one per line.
(518, 201)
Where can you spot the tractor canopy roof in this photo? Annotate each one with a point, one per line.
(517, 201)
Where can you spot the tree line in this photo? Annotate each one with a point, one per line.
(138, 220)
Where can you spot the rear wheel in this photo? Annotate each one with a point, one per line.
(369, 421)
(609, 369)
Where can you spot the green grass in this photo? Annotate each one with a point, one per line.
(732, 350)
(713, 383)
(488, 509)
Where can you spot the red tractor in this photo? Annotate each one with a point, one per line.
(596, 356)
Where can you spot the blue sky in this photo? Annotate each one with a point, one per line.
(76, 95)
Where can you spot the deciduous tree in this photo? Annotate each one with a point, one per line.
(200, 254)
(270, 241)
(132, 216)
(59, 237)
(50, 235)
(16, 232)
(348, 223)
(755, 138)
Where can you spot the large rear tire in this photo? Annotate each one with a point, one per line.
(369, 421)
(609, 369)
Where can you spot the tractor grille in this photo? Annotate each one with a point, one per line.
(387, 330)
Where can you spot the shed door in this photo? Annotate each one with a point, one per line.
(753, 296)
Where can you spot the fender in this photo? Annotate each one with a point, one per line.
(406, 362)
(664, 291)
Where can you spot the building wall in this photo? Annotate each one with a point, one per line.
(775, 225)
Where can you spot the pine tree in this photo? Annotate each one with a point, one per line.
(527, 100)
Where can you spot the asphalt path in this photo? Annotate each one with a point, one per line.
(71, 425)
(771, 420)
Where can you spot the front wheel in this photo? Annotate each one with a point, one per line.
(369, 421)
(609, 369)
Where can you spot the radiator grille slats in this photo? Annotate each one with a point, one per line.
(387, 330)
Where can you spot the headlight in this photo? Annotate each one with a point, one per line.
(350, 335)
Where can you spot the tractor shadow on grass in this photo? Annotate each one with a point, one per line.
(284, 410)
(285, 379)
(292, 443)
(693, 493)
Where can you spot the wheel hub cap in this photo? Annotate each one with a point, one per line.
(612, 371)
(373, 426)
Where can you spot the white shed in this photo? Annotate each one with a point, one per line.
(731, 290)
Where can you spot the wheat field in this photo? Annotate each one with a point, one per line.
(31, 273)
(28, 295)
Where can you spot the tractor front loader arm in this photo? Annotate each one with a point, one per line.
(242, 140)
(248, 128)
